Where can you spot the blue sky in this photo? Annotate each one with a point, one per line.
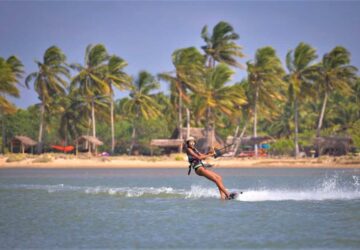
(146, 33)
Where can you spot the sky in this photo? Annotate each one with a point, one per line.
(146, 33)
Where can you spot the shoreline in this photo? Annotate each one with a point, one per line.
(60, 161)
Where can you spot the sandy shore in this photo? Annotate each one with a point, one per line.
(59, 161)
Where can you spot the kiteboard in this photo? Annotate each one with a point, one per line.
(234, 195)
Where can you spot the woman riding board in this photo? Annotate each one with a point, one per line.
(195, 159)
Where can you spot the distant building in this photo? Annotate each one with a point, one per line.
(173, 144)
(88, 143)
(22, 143)
(335, 146)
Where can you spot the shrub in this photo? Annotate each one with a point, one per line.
(43, 159)
(282, 147)
(16, 157)
(355, 134)
(179, 157)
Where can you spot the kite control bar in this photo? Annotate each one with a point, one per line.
(219, 152)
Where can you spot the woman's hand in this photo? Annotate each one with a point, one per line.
(211, 154)
(204, 156)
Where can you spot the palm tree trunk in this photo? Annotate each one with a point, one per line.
(255, 120)
(209, 132)
(236, 132)
(241, 136)
(244, 129)
(93, 122)
(3, 131)
(93, 117)
(187, 123)
(66, 135)
(180, 121)
(87, 144)
(210, 62)
(112, 125)
(212, 142)
(40, 138)
(296, 120)
(235, 135)
(3, 135)
(133, 138)
(321, 118)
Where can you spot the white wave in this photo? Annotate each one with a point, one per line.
(131, 191)
(48, 188)
(297, 195)
(356, 181)
(329, 188)
(202, 192)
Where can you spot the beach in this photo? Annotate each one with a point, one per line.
(176, 161)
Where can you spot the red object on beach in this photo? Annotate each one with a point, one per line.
(65, 149)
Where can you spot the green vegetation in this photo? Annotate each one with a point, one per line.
(43, 159)
(265, 81)
(11, 71)
(178, 157)
(282, 147)
(49, 83)
(16, 157)
(292, 103)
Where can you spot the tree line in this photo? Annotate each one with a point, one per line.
(309, 96)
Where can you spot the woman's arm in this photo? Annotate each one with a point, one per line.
(199, 156)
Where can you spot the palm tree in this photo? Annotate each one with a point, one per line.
(336, 73)
(265, 78)
(48, 81)
(11, 71)
(356, 97)
(70, 122)
(220, 45)
(244, 112)
(72, 116)
(300, 79)
(188, 64)
(90, 80)
(141, 102)
(343, 111)
(116, 77)
(217, 98)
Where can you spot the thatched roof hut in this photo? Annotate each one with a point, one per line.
(23, 141)
(174, 143)
(166, 142)
(250, 140)
(247, 141)
(200, 135)
(88, 142)
(333, 145)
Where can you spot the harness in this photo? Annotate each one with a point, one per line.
(193, 161)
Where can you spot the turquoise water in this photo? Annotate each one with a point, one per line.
(164, 208)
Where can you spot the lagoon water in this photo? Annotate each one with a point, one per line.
(165, 208)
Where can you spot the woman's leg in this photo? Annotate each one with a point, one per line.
(215, 178)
